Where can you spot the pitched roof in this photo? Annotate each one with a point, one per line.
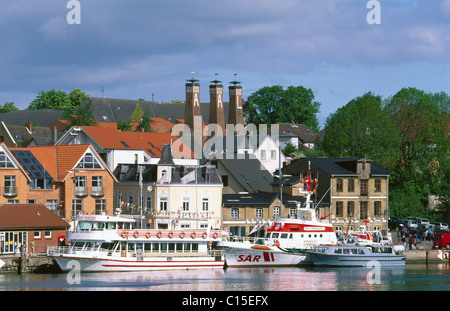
(249, 172)
(29, 216)
(42, 117)
(303, 132)
(333, 166)
(112, 138)
(57, 160)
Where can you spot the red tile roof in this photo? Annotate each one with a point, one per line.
(29, 216)
(109, 138)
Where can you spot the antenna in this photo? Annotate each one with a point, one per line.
(103, 91)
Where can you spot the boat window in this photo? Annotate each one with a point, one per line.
(195, 247)
(179, 247)
(138, 246)
(275, 235)
(131, 247)
(120, 225)
(163, 247)
(267, 235)
(155, 247)
(84, 226)
(346, 251)
(78, 244)
(354, 251)
(284, 236)
(171, 247)
(98, 226)
(321, 235)
(302, 235)
(338, 251)
(111, 225)
(147, 247)
(361, 251)
(127, 225)
(187, 247)
(291, 236)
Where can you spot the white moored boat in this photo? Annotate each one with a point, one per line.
(284, 244)
(111, 243)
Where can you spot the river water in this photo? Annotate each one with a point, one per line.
(412, 277)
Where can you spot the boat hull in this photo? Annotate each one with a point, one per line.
(259, 257)
(321, 259)
(85, 264)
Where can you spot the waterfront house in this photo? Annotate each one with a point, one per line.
(20, 224)
(356, 188)
(166, 192)
(67, 179)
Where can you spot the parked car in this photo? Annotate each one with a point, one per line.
(395, 222)
(412, 224)
(441, 240)
(423, 221)
(440, 226)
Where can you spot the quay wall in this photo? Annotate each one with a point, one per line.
(34, 264)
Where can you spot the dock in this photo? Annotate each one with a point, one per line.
(39, 263)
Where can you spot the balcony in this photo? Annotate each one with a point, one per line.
(96, 191)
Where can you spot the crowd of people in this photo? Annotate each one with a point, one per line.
(409, 236)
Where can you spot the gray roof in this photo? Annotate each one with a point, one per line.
(249, 172)
(115, 110)
(332, 166)
(42, 117)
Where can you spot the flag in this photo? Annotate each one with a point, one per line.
(140, 178)
(188, 178)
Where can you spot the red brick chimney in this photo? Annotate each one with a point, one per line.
(235, 112)
(192, 107)
(216, 112)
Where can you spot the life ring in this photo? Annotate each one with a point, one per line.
(204, 235)
(124, 234)
(170, 235)
(276, 243)
(182, 235)
(193, 235)
(215, 235)
(159, 234)
(148, 235)
(136, 234)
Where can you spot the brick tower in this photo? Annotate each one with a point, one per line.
(235, 112)
(216, 111)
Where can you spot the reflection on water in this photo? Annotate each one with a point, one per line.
(412, 277)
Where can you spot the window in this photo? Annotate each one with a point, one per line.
(377, 208)
(77, 207)
(292, 212)
(100, 206)
(80, 185)
(363, 212)
(205, 204)
(340, 208)
(351, 185)
(88, 161)
(339, 185)
(276, 211)
(225, 180)
(10, 185)
(234, 213)
(350, 209)
(263, 154)
(97, 185)
(5, 161)
(377, 185)
(37, 234)
(259, 213)
(163, 203)
(186, 204)
(273, 154)
(364, 187)
(51, 205)
(48, 234)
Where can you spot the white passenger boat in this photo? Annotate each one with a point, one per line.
(111, 243)
(285, 242)
(355, 255)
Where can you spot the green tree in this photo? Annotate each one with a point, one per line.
(273, 104)
(8, 106)
(84, 116)
(362, 128)
(146, 122)
(124, 126)
(422, 167)
(58, 100)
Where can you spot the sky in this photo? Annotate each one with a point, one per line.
(149, 48)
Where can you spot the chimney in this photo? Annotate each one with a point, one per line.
(216, 112)
(235, 112)
(192, 107)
